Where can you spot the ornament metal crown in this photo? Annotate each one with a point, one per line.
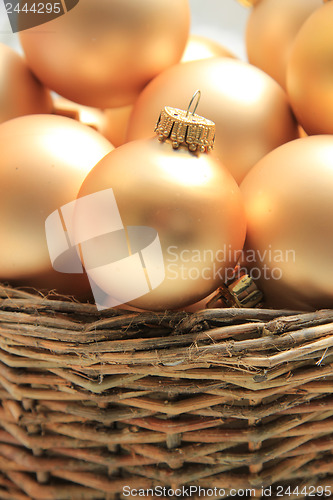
(186, 129)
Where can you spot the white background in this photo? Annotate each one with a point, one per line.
(220, 20)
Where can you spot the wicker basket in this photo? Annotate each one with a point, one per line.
(232, 399)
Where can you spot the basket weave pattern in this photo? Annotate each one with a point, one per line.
(90, 402)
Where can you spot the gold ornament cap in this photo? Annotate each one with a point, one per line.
(185, 128)
(241, 292)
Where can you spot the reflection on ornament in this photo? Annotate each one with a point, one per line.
(44, 159)
(310, 73)
(250, 109)
(289, 207)
(271, 29)
(103, 53)
(187, 196)
(20, 93)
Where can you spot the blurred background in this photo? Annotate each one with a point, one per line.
(220, 20)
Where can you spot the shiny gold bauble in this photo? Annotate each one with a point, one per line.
(271, 29)
(43, 161)
(310, 73)
(20, 92)
(199, 47)
(102, 53)
(250, 109)
(192, 202)
(289, 206)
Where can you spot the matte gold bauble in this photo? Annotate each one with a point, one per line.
(188, 198)
(271, 29)
(250, 109)
(289, 207)
(102, 53)
(20, 92)
(43, 161)
(199, 47)
(310, 73)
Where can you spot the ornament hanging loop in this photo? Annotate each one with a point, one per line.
(197, 94)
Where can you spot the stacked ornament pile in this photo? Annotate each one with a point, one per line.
(159, 216)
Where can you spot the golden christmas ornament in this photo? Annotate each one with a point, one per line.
(271, 29)
(173, 185)
(102, 53)
(310, 73)
(43, 161)
(199, 47)
(20, 92)
(289, 208)
(250, 109)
